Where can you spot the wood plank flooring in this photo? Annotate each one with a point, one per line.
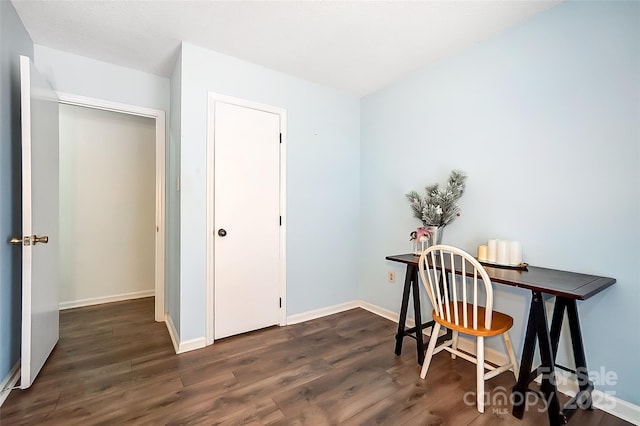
(114, 365)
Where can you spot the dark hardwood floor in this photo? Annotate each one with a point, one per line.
(114, 365)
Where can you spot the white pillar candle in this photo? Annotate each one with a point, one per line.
(503, 252)
(515, 252)
(483, 252)
(493, 251)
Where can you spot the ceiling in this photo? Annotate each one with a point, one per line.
(354, 46)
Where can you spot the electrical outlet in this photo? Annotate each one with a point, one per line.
(392, 277)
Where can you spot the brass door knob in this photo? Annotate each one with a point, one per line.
(43, 240)
(16, 241)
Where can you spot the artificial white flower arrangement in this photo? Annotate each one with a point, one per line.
(438, 207)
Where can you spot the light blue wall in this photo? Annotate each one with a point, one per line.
(322, 181)
(80, 75)
(14, 41)
(545, 119)
(172, 278)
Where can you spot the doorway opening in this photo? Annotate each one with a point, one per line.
(118, 192)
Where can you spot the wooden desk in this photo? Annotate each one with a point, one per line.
(567, 287)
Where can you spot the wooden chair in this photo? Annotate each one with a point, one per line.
(455, 302)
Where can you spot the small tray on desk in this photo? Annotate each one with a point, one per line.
(520, 266)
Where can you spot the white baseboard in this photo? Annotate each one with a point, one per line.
(201, 342)
(187, 345)
(173, 333)
(601, 400)
(604, 401)
(468, 345)
(191, 345)
(491, 355)
(106, 299)
(7, 384)
(382, 312)
(319, 313)
(616, 407)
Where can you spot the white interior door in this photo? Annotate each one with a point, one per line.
(39, 108)
(246, 219)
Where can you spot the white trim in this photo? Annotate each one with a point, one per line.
(468, 345)
(159, 116)
(159, 284)
(78, 100)
(322, 312)
(382, 312)
(191, 345)
(209, 270)
(7, 384)
(105, 299)
(601, 400)
(491, 355)
(173, 333)
(283, 214)
(187, 345)
(209, 288)
(27, 258)
(616, 407)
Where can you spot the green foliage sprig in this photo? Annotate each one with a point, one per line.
(439, 206)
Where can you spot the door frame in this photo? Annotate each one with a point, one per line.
(159, 117)
(210, 277)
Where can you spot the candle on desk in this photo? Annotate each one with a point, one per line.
(483, 252)
(503, 252)
(515, 252)
(492, 255)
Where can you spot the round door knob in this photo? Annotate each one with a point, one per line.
(43, 240)
(222, 232)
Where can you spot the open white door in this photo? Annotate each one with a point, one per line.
(40, 320)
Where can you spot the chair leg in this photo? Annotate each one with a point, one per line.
(430, 349)
(512, 355)
(455, 343)
(480, 374)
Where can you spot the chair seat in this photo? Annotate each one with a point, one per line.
(500, 322)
